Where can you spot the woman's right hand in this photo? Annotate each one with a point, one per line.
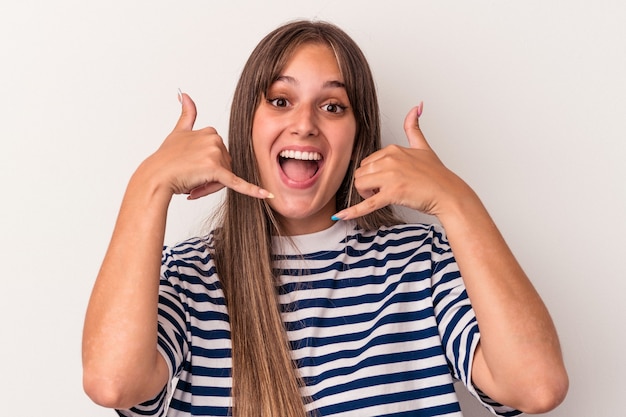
(194, 162)
(121, 364)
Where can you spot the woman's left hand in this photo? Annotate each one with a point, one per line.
(413, 177)
(518, 361)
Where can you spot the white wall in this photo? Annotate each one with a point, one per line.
(524, 100)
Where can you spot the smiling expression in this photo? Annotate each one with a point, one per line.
(303, 133)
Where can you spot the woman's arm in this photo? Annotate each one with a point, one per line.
(121, 364)
(518, 361)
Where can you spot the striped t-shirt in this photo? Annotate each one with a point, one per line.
(379, 322)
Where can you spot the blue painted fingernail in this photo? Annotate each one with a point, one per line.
(334, 218)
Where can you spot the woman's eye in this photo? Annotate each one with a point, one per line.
(278, 102)
(333, 108)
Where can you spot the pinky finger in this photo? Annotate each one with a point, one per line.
(204, 190)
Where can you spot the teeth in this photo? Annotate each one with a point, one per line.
(305, 156)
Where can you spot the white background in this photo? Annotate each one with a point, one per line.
(524, 100)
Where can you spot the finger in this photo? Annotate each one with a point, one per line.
(204, 190)
(379, 154)
(248, 189)
(366, 206)
(242, 186)
(188, 113)
(412, 129)
(226, 178)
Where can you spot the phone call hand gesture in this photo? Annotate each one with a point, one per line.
(196, 162)
(412, 177)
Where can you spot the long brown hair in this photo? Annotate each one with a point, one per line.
(265, 379)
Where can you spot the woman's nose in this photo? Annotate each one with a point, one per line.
(304, 121)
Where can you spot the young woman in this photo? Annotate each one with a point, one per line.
(311, 297)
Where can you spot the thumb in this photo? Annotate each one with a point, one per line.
(412, 128)
(188, 113)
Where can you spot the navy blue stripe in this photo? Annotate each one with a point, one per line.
(204, 296)
(439, 410)
(367, 317)
(377, 341)
(201, 410)
(208, 315)
(165, 301)
(211, 372)
(176, 404)
(210, 353)
(333, 283)
(217, 334)
(384, 379)
(405, 317)
(362, 240)
(149, 408)
(362, 263)
(416, 232)
(200, 391)
(374, 361)
(390, 398)
(176, 264)
(167, 344)
(369, 299)
(470, 337)
(458, 315)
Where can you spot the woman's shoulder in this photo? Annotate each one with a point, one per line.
(188, 270)
(190, 247)
(192, 256)
(402, 231)
(403, 237)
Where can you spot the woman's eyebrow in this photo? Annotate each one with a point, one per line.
(328, 84)
(334, 84)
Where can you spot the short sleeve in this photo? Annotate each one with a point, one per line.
(173, 314)
(172, 334)
(456, 320)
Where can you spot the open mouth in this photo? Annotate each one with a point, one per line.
(299, 166)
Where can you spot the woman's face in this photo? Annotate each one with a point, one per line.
(303, 133)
